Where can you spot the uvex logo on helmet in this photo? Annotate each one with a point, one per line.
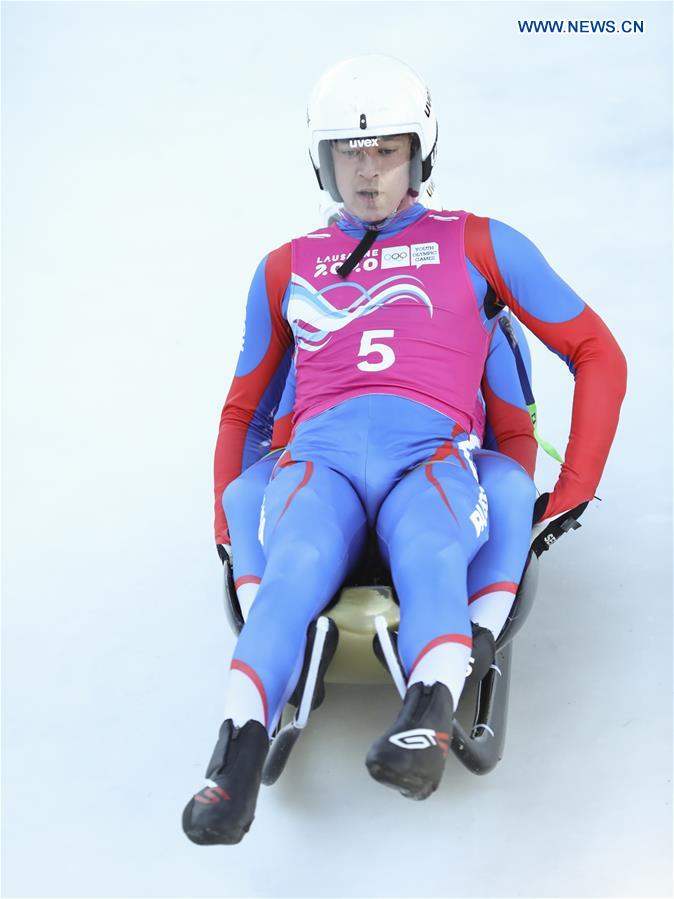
(364, 142)
(370, 82)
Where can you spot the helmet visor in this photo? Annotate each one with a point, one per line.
(372, 176)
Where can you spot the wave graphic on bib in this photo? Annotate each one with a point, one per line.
(310, 307)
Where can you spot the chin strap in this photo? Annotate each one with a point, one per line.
(352, 261)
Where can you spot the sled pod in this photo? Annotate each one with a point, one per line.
(352, 615)
(523, 602)
(481, 749)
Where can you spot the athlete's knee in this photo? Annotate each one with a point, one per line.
(293, 558)
(241, 493)
(426, 551)
(300, 547)
(513, 493)
(502, 475)
(516, 482)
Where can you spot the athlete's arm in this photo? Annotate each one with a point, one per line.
(542, 301)
(247, 417)
(509, 427)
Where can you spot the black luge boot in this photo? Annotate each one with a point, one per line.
(410, 757)
(223, 813)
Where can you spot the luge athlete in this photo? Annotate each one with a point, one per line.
(502, 422)
(388, 316)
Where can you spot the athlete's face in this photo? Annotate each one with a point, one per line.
(373, 180)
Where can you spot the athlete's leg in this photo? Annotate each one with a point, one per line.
(495, 572)
(430, 527)
(242, 502)
(313, 531)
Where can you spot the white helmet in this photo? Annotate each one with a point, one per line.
(366, 97)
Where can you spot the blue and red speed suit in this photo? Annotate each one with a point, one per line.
(497, 568)
(318, 505)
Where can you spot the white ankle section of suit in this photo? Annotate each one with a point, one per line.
(491, 610)
(446, 664)
(246, 594)
(242, 699)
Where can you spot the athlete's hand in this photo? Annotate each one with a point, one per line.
(224, 552)
(569, 493)
(540, 506)
(548, 527)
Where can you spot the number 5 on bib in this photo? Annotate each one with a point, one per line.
(368, 346)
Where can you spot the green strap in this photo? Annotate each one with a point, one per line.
(271, 452)
(548, 447)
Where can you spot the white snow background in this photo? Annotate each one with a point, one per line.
(152, 154)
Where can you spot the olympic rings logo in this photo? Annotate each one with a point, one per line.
(396, 256)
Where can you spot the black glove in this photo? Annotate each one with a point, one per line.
(568, 521)
(540, 506)
(224, 552)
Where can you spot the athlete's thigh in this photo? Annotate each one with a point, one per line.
(428, 531)
(313, 530)
(242, 501)
(441, 502)
(511, 494)
(313, 515)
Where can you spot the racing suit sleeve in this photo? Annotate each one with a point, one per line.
(509, 427)
(542, 301)
(248, 414)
